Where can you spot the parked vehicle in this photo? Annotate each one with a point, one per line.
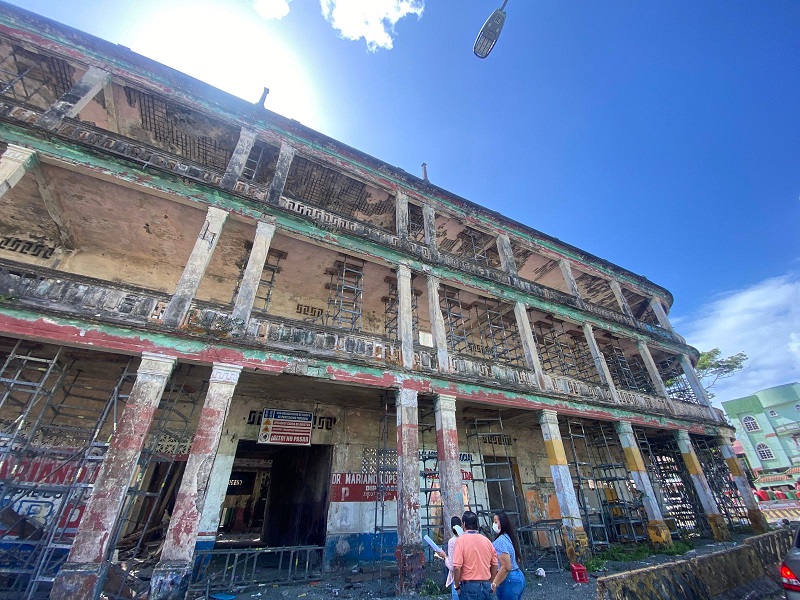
(790, 570)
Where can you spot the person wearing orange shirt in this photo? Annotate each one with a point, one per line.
(474, 562)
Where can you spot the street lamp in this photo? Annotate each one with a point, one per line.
(489, 33)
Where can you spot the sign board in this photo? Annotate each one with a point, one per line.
(286, 427)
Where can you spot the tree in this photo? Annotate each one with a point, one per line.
(711, 368)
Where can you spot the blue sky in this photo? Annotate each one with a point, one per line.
(662, 136)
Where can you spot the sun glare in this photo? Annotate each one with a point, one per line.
(231, 48)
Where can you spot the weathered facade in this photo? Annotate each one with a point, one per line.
(220, 327)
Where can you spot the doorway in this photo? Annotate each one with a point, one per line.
(277, 496)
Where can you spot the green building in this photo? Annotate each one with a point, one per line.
(768, 425)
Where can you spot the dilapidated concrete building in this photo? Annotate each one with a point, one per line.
(220, 329)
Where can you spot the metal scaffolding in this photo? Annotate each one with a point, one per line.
(143, 521)
(346, 293)
(266, 282)
(391, 310)
(726, 494)
(384, 465)
(672, 484)
(430, 510)
(624, 512)
(493, 483)
(565, 353)
(59, 411)
(675, 380)
(587, 493)
(496, 328)
(456, 319)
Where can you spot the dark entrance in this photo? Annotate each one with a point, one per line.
(280, 495)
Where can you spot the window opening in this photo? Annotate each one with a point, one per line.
(764, 452)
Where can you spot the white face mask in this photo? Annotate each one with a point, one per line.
(495, 527)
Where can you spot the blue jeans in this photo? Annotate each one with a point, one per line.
(454, 592)
(473, 590)
(512, 587)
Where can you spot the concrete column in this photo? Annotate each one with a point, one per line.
(217, 489)
(657, 530)
(253, 271)
(652, 370)
(569, 278)
(74, 101)
(171, 576)
(600, 362)
(401, 215)
(429, 228)
(718, 527)
(576, 539)
(405, 323)
(450, 480)
(507, 262)
(195, 267)
(694, 383)
(529, 346)
(661, 315)
(621, 300)
(755, 515)
(409, 553)
(437, 323)
(285, 159)
(236, 164)
(15, 162)
(80, 577)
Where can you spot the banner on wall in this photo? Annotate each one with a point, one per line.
(286, 427)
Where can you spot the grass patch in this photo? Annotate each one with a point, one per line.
(620, 553)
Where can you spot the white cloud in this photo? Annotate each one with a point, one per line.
(372, 20)
(763, 321)
(272, 9)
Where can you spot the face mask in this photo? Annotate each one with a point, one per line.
(495, 527)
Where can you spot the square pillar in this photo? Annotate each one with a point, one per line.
(718, 527)
(661, 315)
(576, 542)
(529, 346)
(429, 228)
(195, 267)
(285, 158)
(694, 383)
(652, 371)
(15, 162)
(569, 279)
(621, 300)
(171, 576)
(600, 362)
(450, 479)
(74, 101)
(401, 215)
(657, 529)
(82, 573)
(437, 323)
(405, 321)
(252, 273)
(757, 518)
(506, 253)
(409, 553)
(236, 164)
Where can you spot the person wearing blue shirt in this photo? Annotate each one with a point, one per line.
(509, 582)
